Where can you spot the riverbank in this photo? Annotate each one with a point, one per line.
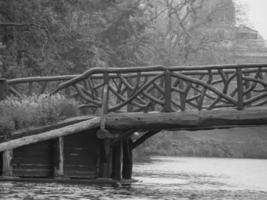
(250, 142)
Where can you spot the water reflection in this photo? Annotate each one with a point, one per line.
(164, 178)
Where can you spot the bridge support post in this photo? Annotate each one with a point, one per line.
(105, 159)
(240, 92)
(7, 163)
(59, 158)
(127, 159)
(3, 88)
(168, 92)
(117, 161)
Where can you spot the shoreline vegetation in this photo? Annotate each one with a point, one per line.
(34, 111)
(249, 142)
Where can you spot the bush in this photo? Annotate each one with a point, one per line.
(35, 110)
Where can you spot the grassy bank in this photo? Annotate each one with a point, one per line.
(231, 143)
(32, 111)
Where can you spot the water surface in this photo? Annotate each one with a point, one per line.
(163, 178)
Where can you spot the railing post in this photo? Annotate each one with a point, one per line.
(102, 133)
(3, 88)
(168, 90)
(240, 92)
(182, 95)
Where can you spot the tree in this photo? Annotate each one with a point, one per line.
(48, 37)
(192, 32)
(58, 37)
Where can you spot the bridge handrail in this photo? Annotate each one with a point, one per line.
(170, 88)
(40, 79)
(196, 69)
(98, 71)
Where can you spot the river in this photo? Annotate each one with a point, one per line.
(163, 178)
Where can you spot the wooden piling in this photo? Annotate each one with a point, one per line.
(105, 159)
(59, 158)
(7, 163)
(127, 159)
(3, 88)
(117, 161)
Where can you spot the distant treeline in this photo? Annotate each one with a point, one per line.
(231, 143)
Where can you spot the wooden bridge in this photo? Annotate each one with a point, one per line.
(118, 102)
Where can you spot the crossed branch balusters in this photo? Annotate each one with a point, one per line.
(159, 88)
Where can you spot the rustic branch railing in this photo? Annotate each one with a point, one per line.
(160, 88)
(35, 85)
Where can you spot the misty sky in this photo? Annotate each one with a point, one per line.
(257, 14)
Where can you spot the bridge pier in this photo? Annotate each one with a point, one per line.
(7, 168)
(127, 159)
(59, 158)
(117, 161)
(105, 158)
(3, 88)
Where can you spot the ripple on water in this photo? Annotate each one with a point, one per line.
(166, 178)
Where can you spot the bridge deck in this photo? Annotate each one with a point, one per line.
(118, 124)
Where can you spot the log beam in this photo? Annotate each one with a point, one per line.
(143, 138)
(52, 134)
(189, 120)
(193, 120)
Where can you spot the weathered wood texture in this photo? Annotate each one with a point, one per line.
(127, 161)
(64, 131)
(1, 163)
(58, 157)
(157, 88)
(36, 130)
(190, 120)
(105, 159)
(143, 138)
(34, 160)
(78, 158)
(172, 89)
(36, 85)
(80, 155)
(117, 161)
(194, 120)
(7, 168)
(3, 88)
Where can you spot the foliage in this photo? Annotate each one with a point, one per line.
(35, 111)
(192, 32)
(61, 37)
(48, 37)
(233, 143)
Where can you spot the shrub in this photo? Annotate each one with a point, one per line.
(35, 110)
